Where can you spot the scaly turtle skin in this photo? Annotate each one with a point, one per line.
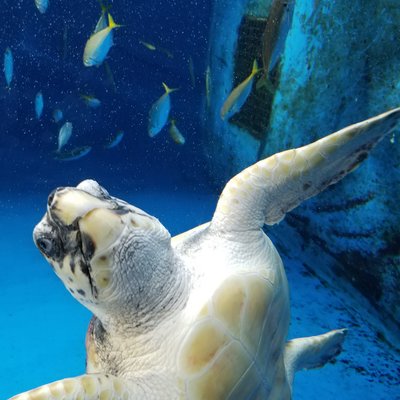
(203, 315)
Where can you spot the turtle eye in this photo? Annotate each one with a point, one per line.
(45, 245)
(49, 246)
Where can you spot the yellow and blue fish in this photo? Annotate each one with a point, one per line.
(8, 66)
(39, 104)
(74, 154)
(99, 44)
(175, 133)
(153, 47)
(91, 101)
(42, 5)
(148, 45)
(159, 112)
(239, 95)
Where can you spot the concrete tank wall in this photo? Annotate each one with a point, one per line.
(339, 65)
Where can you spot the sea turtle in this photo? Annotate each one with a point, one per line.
(203, 315)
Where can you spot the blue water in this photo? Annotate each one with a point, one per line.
(42, 328)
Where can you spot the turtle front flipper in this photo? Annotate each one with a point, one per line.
(264, 192)
(312, 352)
(84, 387)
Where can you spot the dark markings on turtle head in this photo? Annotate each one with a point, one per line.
(88, 246)
(121, 211)
(51, 197)
(82, 292)
(72, 265)
(58, 223)
(98, 331)
(85, 270)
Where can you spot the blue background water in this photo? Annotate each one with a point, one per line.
(42, 328)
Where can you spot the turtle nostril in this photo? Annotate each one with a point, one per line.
(45, 245)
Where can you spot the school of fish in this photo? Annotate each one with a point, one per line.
(95, 54)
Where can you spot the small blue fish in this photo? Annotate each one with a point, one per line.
(159, 112)
(191, 72)
(99, 44)
(64, 135)
(148, 45)
(39, 104)
(208, 86)
(115, 141)
(57, 115)
(8, 66)
(42, 5)
(91, 101)
(74, 154)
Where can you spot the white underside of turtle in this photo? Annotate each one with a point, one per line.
(203, 315)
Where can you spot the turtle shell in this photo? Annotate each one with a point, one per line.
(234, 350)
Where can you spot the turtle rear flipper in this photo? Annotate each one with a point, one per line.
(264, 192)
(312, 352)
(85, 387)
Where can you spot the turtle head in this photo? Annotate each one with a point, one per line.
(108, 253)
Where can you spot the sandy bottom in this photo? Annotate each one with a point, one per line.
(43, 328)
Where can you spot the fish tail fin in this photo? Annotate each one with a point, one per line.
(104, 7)
(265, 82)
(255, 69)
(169, 90)
(262, 82)
(111, 22)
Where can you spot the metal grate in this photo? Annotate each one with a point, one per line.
(255, 114)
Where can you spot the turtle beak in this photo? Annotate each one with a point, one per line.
(67, 205)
